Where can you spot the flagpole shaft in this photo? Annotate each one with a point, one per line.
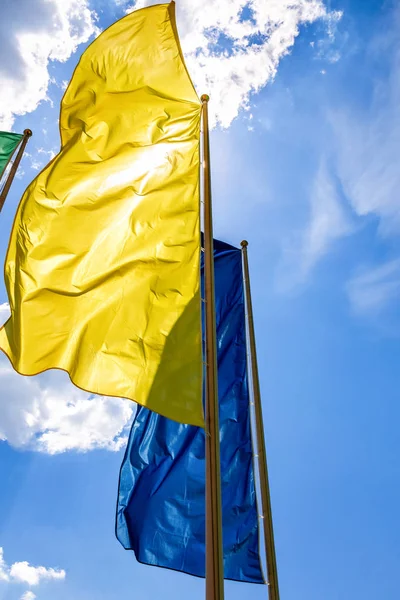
(13, 170)
(214, 549)
(273, 588)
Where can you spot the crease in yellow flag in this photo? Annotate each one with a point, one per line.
(102, 269)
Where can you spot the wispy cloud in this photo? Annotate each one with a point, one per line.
(49, 154)
(34, 164)
(363, 179)
(328, 221)
(374, 289)
(368, 142)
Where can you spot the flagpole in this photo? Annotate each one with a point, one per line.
(214, 550)
(273, 588)
(13, 170)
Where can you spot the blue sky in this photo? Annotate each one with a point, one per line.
(305, 166)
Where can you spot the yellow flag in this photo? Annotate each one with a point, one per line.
(102, 269)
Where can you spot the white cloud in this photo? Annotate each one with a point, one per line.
(23, 572)
(375, 289)
(233, 49)
(33, 33)
(57, 417)
(4, 576)
(28, 596)
(328, 221)
(4, 312)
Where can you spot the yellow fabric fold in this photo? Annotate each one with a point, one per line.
(102, 269)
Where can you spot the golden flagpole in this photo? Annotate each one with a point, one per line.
(214, 549)
(273, 588)
(13, 170)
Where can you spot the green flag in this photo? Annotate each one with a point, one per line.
(8, 144)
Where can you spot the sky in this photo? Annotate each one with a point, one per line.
(305, 109)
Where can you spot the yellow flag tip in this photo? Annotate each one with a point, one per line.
(205, 98)
(244, 243)
(28, 132)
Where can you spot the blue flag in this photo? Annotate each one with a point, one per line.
(161, 499)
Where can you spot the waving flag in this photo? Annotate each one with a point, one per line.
(8, 145)
(161, 500)
(103, 266)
